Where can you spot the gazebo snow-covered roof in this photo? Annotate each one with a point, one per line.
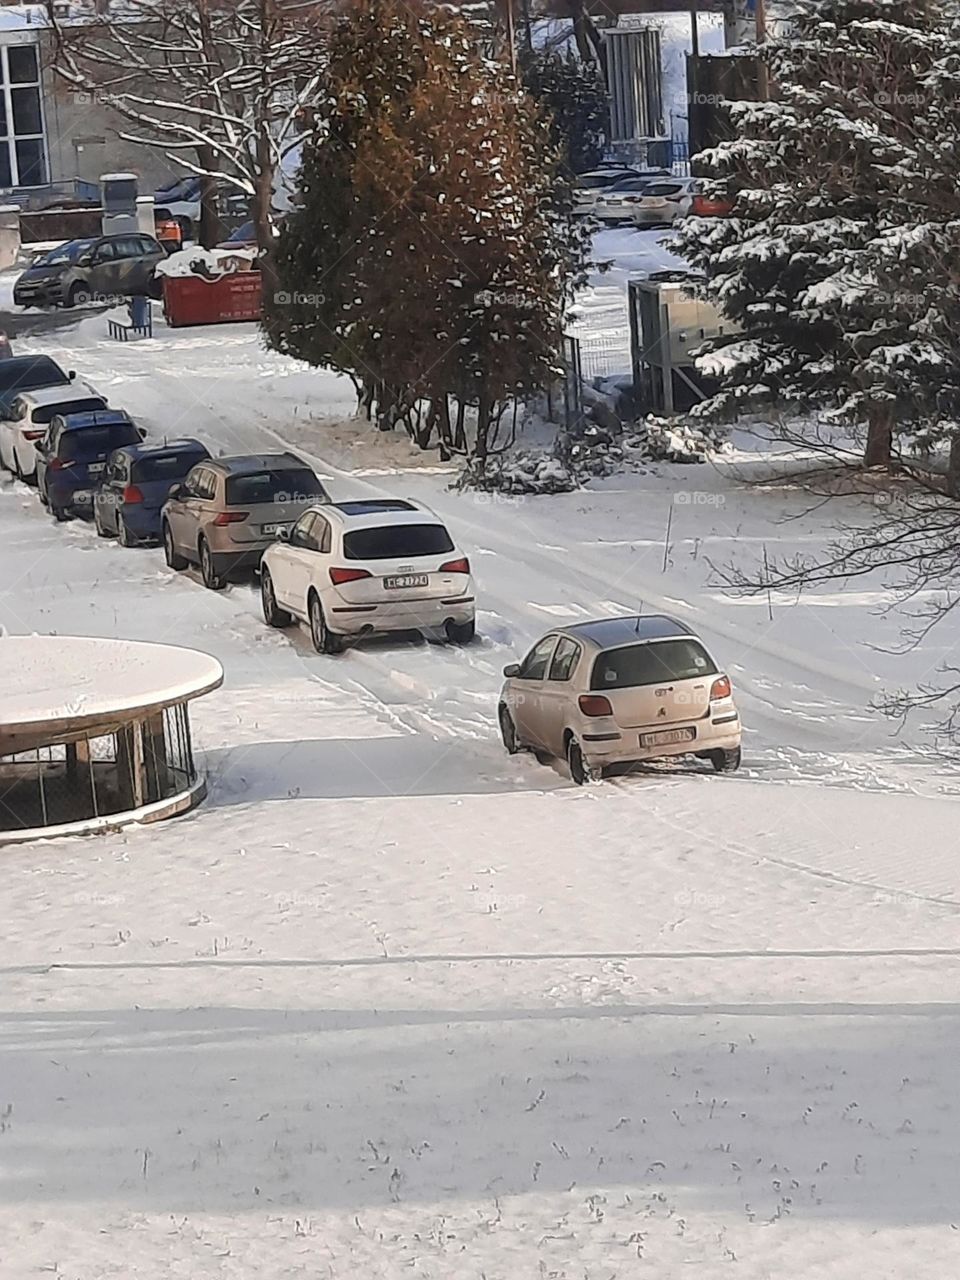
(95, 732)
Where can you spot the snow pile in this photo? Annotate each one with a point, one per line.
(209, 264)
(591, 453)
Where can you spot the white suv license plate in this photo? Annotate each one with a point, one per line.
(406, 580)
(666, 737)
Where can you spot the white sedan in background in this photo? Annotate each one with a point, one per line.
(368, 567)
(663, 202)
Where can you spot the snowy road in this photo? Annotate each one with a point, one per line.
(393, 1003)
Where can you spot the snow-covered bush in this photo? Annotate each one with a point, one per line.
(577, 457)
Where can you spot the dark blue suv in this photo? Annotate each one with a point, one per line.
(136, 484)
(72, 456)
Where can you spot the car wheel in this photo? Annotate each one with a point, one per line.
(170, 553)
(208, 570)
(123, 533)
(78, 296)
(273, 616)
(461, 632)
(726, 761)
(508, 732)
(324, 640)
(580, 771)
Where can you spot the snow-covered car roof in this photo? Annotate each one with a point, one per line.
(375, 513)
(614, 633)
(63, 394)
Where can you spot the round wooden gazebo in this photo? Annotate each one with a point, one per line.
(96, 733)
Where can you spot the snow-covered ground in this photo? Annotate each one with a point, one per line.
(392, 1003)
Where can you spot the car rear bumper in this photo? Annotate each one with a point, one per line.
(141, 522)
(602, 745)
(400, 615)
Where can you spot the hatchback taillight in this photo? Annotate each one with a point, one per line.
(339, 576)
(594, 704)
(132, 494)
(456, 566)
(230, 517)
(721, 688)
(34, 435)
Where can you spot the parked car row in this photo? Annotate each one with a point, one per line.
(346, 569)
(643, 197)
(598, 695)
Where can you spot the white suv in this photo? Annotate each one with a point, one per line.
(351, 569)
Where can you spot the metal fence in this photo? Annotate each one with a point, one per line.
(95, 776)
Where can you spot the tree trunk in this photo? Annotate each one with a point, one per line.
(879, 436)
(460, 435)
(210, 231)
(484, 413)
(953, 468)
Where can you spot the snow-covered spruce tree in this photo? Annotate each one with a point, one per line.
(426, 258)
(822, 173)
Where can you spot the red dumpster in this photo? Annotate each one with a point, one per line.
(229, 299)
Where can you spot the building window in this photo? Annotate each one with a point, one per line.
(23, 149)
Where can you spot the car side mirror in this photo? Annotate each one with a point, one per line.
(72, 375)
(176, 491)
(512, 670)
(283, 535)
(142, 432)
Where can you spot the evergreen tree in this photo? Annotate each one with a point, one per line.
(574, 97)
(824, 178)
(427, 257)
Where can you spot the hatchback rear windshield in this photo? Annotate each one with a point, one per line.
(96, 442)
(397, 541)
(284, 485)
(46, 413)
(27, 375)
(164, 466)
(641, 664)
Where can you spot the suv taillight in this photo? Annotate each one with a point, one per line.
(230, 517)
(721, 688)
(132, 494)
(594, 704)
(456, 566)
(34, 435)
(338, 576)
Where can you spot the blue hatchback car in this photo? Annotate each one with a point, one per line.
(72, 456)
(136, 484)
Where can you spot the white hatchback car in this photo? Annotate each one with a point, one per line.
(30, 415)
(620, 691)
(351, 569)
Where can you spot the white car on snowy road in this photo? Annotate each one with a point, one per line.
(619, 691)
(351, 569)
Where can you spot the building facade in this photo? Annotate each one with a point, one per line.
(54, 138)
